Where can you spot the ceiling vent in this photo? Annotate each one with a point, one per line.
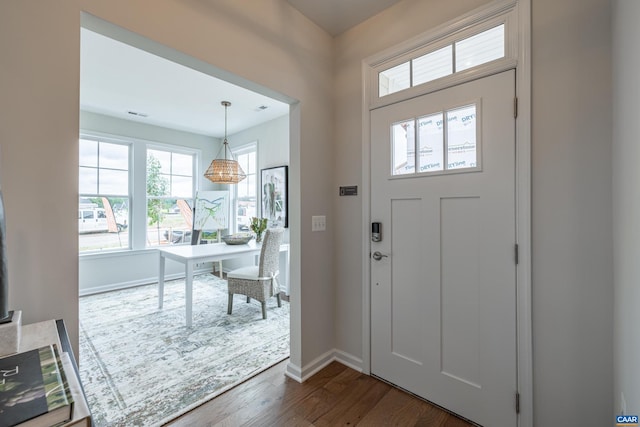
(138, 114)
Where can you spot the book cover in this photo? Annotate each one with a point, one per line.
(33, 389)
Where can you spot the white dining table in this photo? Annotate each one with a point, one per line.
(190, 255)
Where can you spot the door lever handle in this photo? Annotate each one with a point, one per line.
(378, 256)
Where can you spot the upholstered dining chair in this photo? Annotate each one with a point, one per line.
(259, 282)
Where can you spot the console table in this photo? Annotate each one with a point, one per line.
(40, 334)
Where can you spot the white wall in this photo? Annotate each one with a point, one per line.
(626, 205)
(571, 219)
(102, 272)
(266, 42)
(571, 195)
(272, 140)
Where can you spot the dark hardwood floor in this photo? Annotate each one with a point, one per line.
(335, 396)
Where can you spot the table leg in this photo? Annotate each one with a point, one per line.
(161, 281)
(188, 291)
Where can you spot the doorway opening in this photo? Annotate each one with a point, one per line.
(134, 122)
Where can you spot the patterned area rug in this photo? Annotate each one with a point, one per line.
(142, 366)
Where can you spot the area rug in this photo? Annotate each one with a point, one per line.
(141, 366)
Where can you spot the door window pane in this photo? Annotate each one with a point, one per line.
(394, 79)
(480, 49)
(433, 65)
(403, 148)
(431, 142)
(461, 138)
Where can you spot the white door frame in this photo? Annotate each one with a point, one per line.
(521, 10)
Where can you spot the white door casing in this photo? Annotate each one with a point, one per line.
(443, 301)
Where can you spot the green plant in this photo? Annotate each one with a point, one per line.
(258, 225)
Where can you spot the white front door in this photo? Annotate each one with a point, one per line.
(443, 277)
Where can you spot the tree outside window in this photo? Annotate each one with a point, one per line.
(170, 189)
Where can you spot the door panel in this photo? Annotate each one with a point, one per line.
(406, 251)
(443, 300)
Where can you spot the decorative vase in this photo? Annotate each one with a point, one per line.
(258, 237)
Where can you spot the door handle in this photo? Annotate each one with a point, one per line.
(378, 256)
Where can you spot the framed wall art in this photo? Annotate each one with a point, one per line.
(275, 204)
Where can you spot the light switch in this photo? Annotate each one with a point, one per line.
(318, 223)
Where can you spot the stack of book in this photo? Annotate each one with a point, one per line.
(37, 389)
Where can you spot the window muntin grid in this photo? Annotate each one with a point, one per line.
(461, 55)
(445, 141)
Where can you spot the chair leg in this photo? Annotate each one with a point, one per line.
(264, 310)
(278, 298)
(230, 305)
(248, 300)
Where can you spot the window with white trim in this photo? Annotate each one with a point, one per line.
(446, 141)
(103, 206)
(460, 55)
(170, 196)
(245, 202)
(110, 211)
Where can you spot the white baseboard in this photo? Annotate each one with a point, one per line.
(134, 283)
(302, 374)
(294, 372)
(349, 360)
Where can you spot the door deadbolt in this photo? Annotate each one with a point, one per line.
(378, 256)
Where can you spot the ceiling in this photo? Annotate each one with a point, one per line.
(122, 81)
(337, 16)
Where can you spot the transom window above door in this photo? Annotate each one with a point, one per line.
(446, 142)
(458, 56)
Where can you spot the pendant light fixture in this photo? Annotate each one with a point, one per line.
(225, 169)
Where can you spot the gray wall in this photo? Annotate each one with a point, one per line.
(571, 195)
(626, 204)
